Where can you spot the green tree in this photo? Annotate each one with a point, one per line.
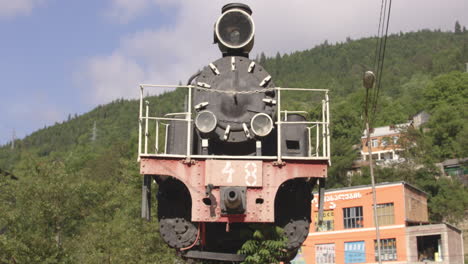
(266, 246)
(262, 58)
(447, 100)
(458, 29)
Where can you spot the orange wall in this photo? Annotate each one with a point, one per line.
(390, 145)
(393, 193)
(308, 248)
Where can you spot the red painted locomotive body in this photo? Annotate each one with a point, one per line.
(233, 156)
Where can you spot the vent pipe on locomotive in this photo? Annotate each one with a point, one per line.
(234, 156)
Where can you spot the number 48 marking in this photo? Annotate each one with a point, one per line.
(250, 169)
(250, 173)
(229, 171)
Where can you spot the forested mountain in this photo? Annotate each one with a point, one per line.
(77, 194)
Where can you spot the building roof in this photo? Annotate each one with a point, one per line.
(378, 185)
(387, 130)
(432, 225)
(452, 162)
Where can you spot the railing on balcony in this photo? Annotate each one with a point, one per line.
(153, 130)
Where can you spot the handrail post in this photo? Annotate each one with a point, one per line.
(156, 144)
(165, 139)
(188, 118)
(323, 130)
(140, 120)
(328, 127)
(146, 127)
(317, 139)
(279, 125)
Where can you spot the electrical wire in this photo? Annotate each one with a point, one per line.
(379, 76)
(384, 23)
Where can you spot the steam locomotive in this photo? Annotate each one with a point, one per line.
(233, 157)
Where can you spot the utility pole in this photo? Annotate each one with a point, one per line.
(13, 138)
(368, 81)
(94, 135)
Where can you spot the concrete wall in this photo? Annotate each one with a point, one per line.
(463, 225)
(451, 242)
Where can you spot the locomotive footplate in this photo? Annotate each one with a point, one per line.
(194, 254)
(261, 179)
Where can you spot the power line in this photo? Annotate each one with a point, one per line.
(380, 73)
(380, 50)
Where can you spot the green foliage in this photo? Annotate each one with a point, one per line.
(447, 100)
(77, 200)
(266, 246)
(55, 213)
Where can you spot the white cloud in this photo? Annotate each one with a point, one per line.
(113, 76)
(171, 54)
(123, 11)
(11, 8)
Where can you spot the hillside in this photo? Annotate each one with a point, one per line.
(74, 190)
(412, 60)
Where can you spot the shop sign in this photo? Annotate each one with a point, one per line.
(325, 254)
(330, 199)
(355, 252)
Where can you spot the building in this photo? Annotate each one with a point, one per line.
(347, 233)
(385, 148)
(455, 168)
(384, 142)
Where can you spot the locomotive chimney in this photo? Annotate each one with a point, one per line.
(235, 30)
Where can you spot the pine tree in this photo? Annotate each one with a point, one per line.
(457, 28)
(262, 58)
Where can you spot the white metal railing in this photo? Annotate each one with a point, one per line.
(320, 150)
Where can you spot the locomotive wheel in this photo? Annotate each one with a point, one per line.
(292, 211)
(178, 232)
(296, 231)
(174, 213)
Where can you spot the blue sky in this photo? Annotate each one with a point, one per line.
(65, 57)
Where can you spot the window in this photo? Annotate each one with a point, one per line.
(384, 142)
(355, 252)
(430, 248)
(328, 223)
(387, 249)
(325, 254)
(375, 143)
(385, 214)
(353, 217)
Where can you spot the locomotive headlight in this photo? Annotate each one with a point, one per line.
(235, 28)
(206, 121)
(261, 124)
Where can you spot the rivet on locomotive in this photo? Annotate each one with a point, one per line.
(234, 156)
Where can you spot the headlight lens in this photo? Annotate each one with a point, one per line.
(206, 121)
(261, 124)
(235, 28)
